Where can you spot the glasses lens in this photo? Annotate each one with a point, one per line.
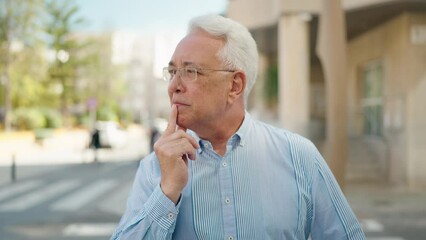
(190, 74)
(186, 74)
(167, 74)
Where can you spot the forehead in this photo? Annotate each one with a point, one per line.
(199, 48)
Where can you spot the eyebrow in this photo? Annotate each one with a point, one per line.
(171, 63)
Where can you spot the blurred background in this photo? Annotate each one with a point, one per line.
(82, 100)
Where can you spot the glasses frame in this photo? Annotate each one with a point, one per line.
(184, 71)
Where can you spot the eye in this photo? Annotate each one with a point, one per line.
(190, 70)
(172, 71)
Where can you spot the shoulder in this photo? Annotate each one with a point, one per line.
(303, 153)
(294, 140)
(300, 144)
(260, 128)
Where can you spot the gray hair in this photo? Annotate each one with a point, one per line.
(240, 50)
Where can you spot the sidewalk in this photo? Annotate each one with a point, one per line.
(388, 212)
(67, 146)
(370, 198)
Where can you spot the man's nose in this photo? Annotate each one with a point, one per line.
(175, 84)
(178, 73)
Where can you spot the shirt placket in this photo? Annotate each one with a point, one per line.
(227, 198)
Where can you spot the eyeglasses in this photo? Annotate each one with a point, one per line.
(187, 74)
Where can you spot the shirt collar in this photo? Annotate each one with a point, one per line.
(241, 133)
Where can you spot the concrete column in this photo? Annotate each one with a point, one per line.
(294, 68)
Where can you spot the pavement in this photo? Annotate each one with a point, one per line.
(388, 212)
(65, 147)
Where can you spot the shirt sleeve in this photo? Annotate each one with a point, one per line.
(332, 216)
(149, 213)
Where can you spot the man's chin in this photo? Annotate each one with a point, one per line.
(182, 123)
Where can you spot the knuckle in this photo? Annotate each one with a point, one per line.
(157, 145)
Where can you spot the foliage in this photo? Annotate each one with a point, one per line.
(35, 118)
(107, 113)
(106, 83)
(271, 86)
(19, 28)
(19, 21)
(27, 119)
(125, 117)
(51, 65)
(63, 70)
(26, 76)
(52, 117)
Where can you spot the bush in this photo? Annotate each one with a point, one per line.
(126, 117)
(82, 120)
(53, 118)
(28, 119)
(36, 118)
(106, 114)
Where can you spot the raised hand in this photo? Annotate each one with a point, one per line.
(173, 149)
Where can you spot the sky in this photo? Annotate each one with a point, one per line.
(144, 16)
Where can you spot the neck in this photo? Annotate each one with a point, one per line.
(219, 132)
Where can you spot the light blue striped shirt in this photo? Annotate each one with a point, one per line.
(271, 184)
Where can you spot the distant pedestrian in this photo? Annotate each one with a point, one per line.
(95, 143)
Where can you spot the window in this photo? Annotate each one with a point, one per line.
(372, 101)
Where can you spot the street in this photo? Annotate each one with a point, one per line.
(85, 201)
(76, 201)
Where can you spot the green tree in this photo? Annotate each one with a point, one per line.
(19, 28)
(62, 18)
(27, 74)
(104, 80)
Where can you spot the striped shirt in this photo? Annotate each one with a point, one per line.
(271, 184)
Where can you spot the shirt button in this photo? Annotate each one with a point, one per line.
(230, 238)
(170, 215)
(224, 164)
(206, 145)
(227, 201)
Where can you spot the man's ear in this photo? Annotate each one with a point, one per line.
(238, 86)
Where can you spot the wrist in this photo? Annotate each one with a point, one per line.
(172, 193)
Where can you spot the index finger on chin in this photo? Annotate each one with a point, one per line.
(171, 126)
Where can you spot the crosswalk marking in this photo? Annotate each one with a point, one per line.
(89, 229)
(371, 225)
(118, 200)
(31, 199)
(80, 198)
(18, 188)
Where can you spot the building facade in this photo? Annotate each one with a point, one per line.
(386, 80)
